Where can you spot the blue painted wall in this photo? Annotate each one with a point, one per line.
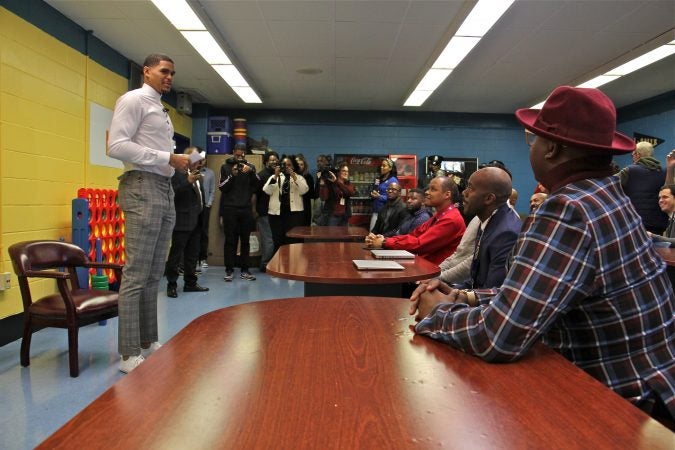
(483, 136)
(655, 117)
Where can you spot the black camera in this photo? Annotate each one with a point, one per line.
(326, 173)
(237, 163)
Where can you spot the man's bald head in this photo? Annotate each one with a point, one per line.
(536, 200)
(496, 181)
(487, 189)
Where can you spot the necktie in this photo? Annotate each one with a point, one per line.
(474, 261)
(669, 230)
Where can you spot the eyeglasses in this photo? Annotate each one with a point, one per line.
(529, 138)
(392, 190)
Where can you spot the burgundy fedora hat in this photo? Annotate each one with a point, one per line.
(578, 117)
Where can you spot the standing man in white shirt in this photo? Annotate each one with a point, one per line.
(141, 136)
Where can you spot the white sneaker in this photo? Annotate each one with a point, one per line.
(130, 363)
(205, 265)
(146, 352)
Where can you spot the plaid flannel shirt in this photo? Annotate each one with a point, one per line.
(586, 279)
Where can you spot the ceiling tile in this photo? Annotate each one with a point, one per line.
(373, 51)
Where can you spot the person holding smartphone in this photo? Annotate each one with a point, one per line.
(286, 208)
(336, 193)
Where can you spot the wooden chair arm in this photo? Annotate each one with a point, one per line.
(47, 274)
(117, 268)
(103, 265)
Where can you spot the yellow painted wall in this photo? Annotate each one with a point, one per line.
(45, 90)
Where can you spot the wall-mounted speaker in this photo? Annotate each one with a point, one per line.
(184, 103)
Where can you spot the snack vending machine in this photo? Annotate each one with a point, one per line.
(364, 170)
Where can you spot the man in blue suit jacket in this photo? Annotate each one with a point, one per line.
(486, 196)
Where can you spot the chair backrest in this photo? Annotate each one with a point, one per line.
(39, 255)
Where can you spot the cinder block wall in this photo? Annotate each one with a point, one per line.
(45, 91)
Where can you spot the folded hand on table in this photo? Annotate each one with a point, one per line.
(374, 240)
(430, 293)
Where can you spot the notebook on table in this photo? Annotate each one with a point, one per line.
(392, 254)
(375, 264)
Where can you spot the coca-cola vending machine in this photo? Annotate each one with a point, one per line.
(364, 172)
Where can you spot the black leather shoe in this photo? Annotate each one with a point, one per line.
(171, 291)
(195, 288)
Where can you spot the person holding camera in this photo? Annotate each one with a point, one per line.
(286, 209)
(270, 162)
(185, 239)
(336, 192)
(238, 185)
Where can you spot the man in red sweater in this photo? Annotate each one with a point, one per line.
(438, 237)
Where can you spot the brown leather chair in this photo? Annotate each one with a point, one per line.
(71, 307)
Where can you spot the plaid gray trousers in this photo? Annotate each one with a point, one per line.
(149, 212)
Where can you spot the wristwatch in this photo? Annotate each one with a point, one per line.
(470, 296)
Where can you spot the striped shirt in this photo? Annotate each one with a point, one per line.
(587, 281)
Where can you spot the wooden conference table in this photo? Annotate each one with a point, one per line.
(343, 373)
(347, 233)
(327, 269)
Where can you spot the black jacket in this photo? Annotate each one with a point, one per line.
(188, 202)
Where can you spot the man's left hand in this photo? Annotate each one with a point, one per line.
(374, 241)
(431, 293)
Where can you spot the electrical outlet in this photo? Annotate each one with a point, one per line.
(5, 281)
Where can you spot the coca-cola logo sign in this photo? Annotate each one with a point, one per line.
(361, 161)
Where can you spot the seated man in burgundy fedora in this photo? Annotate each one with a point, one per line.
(585, 278)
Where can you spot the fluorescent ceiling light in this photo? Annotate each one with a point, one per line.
(482, 17)
(644, 60)
(417, 98)
(433, 79)
(455, 51)
(247, 94)
(598, 81)
(204, 43)
(624, 69)
(230, 74)
(179, 14)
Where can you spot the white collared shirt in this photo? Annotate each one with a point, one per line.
(141, 132)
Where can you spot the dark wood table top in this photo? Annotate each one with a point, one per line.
(668, 254)
(343, 373)
(331, 262)
(347, 233)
